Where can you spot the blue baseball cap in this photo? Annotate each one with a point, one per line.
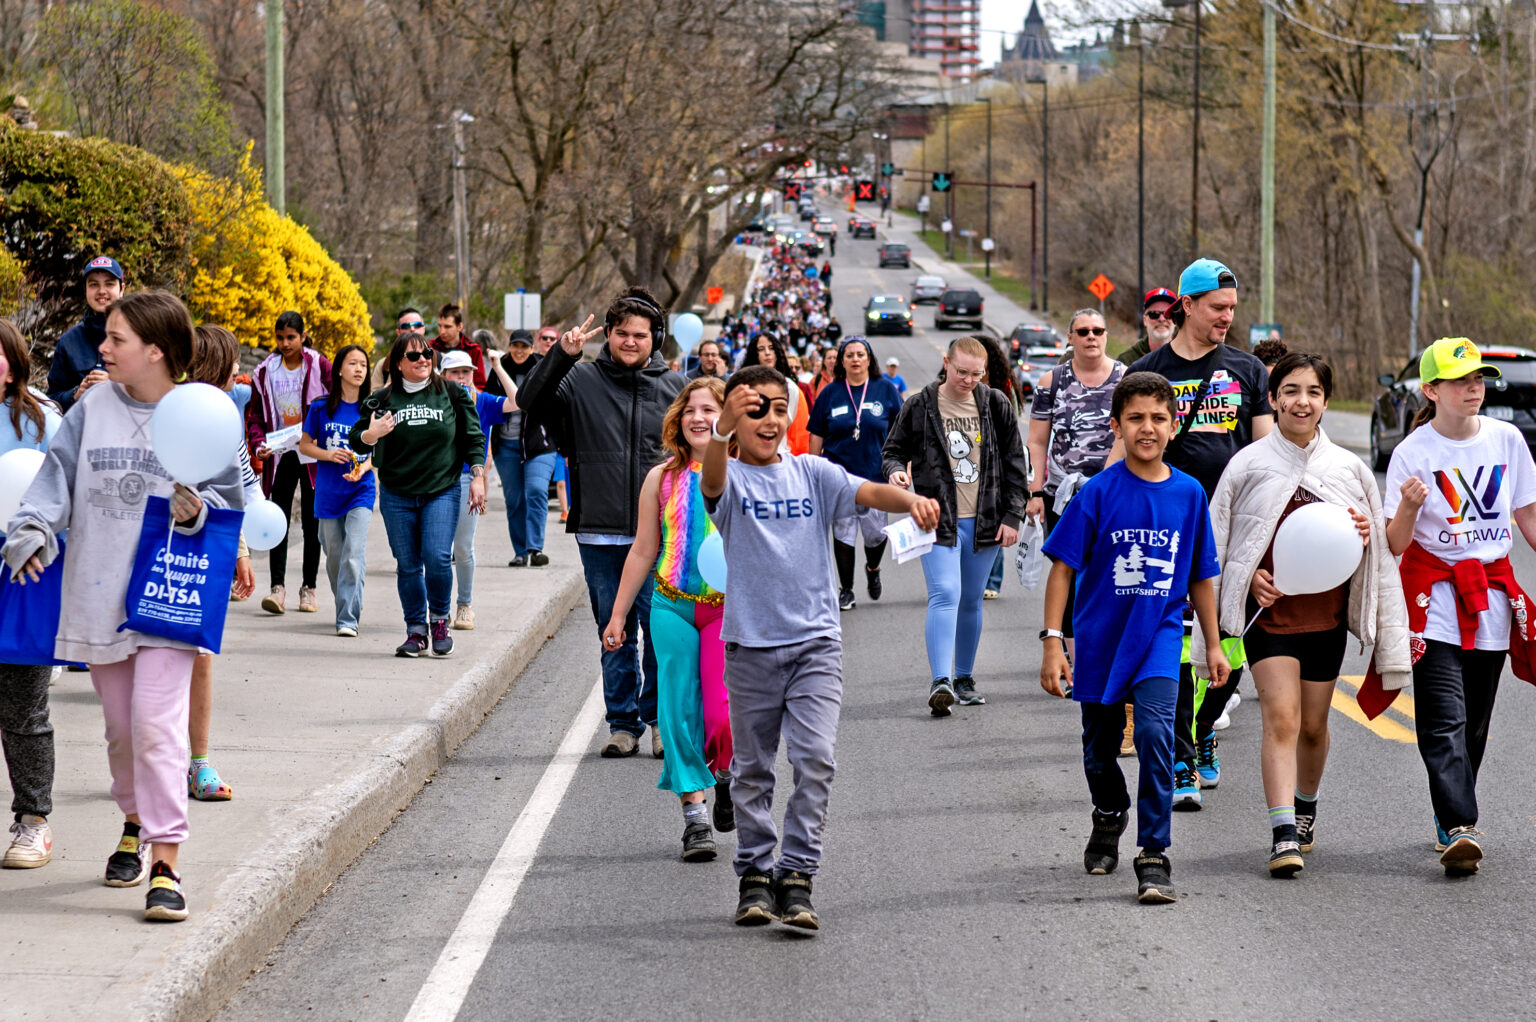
(104, 264)
(1204, 275)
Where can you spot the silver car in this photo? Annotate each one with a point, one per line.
(928, 289)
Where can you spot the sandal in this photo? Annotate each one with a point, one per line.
(207, 786)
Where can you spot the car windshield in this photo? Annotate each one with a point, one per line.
(895, 248)
(961, 296)
(930, 282)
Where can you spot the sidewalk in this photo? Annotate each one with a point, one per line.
(1002, 314)
(323, 739)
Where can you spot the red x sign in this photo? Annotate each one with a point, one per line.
(865, 190)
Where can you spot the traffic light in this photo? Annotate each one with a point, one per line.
(942, 182)
(864, 191)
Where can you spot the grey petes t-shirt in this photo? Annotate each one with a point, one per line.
(775, 522)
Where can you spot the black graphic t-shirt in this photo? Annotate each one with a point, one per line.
(1224, 410)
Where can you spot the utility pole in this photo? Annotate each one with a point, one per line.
(460, 210)
(949, 194)
(988, 247)
(1141, 183)
(1194, 175)
(275, 152)
(1267, 176)
(1045, 197)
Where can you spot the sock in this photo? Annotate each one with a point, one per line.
(1282, 821)
(130, 829)
(198, 762)
(694, 812)
(1306, 805)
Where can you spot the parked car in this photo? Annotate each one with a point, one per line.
(1035, 363)
(958, 305)
(928, 289)
(1033, 335)
(824, 225)
(862, 227)
(1511, 398)
(894, 253)
(887, 314)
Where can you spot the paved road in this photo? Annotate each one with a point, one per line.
(952, 883)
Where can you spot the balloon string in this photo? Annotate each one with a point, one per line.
(1252, 620)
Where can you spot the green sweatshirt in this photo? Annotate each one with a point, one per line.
(436, 433)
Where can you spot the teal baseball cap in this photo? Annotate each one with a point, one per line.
(1204, 275)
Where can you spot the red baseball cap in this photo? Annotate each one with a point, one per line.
(1158, 294)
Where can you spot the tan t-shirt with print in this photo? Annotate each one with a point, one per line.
(962, 442)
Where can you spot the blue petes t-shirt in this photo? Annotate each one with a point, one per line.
(835, 416)
(335, 495)
(1135, 546)
(488, 407)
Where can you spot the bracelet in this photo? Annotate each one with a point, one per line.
(1038, 493)
(724, 439)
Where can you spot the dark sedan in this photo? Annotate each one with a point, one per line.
(1511, 398)
(887, 314)
(862, 227)
(894, 253)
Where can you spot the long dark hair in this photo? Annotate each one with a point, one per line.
(333, 399)
(397, 355)
(838, 372)
(780, 354)
(23, 401)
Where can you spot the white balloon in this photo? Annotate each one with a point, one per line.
(1316, 549)
(17, 470)
(265, 525)
(195, 432)
(687, 330)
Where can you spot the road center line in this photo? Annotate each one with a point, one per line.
(448, 984)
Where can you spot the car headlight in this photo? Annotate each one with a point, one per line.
(907, 314)
(874, 315)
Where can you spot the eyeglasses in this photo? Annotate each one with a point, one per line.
(417, 325)
(417, 356)
(978, 376)
(1158, 315)
(1089, 331)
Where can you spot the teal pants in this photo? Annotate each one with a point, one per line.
(692, 710)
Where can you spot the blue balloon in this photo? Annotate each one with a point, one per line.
(687, 330)
(712, 561)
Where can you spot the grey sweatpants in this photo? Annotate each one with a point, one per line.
(796, 691)
(27, 736)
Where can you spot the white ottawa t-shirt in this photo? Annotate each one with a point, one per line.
(1474, 486)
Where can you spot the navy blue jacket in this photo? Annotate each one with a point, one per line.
(74, 356)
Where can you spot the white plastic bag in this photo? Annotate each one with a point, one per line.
(1029, 560)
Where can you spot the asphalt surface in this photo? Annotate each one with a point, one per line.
(952, 884)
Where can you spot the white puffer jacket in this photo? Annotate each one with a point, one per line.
(1245, 512)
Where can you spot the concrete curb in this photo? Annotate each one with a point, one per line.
(262, 899)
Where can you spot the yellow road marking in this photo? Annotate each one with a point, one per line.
(1384, 726)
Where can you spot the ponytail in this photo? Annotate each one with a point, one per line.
(1423, 415)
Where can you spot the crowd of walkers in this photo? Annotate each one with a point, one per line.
(1159, 487)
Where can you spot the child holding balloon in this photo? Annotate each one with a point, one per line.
(30, 421)
(692, 708)
(1456, 492)
(1296, 640)
(99, 472)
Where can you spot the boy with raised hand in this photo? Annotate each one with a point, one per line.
(783, 653)
(1139, 536)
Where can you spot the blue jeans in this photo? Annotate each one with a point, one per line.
(421, 538)
(995, 580)
(1153, 702)
(525, 488)
(631, 698)
(344, 540)
(956, 576)
(464, 544)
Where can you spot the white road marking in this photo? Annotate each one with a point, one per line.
(442, 995)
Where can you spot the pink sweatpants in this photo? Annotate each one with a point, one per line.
(144, 700)
(717, 703)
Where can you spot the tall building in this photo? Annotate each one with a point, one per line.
(948, 31)
(1033, 57)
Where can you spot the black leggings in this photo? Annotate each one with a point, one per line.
(290, 475)
(842, 553)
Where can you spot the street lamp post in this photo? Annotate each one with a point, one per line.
(949, 194)
(1141, 181)
(1045, 193)
(460, 209)
(987, 247)
(1194, 166)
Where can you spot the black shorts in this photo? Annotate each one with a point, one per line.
(1321, 653)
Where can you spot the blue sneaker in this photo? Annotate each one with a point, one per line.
(1207, 763)
(1462, 852)
(1186, 789)
(1442, 839)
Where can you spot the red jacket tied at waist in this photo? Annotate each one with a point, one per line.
(1471, 579)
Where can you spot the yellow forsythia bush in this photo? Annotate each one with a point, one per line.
(13, 283)
(249, 265)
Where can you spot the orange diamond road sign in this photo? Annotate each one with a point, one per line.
(1101, 286)
(715, 295)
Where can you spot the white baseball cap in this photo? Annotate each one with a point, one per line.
(456, 360)
(893, 361)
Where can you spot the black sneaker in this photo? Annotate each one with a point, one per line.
(965, 692)
(845, 600)
(537, 558)
(698, 843)
(795, 901)
(164, 903)
(872, 580)
(1154, 879)
(757, 905)
(1285, 859)
(415, 645)
(518, 562)
(442, 642)
(725, 809)
(1103, 852)
(128, 866)
(1306, 830)
(940, 697)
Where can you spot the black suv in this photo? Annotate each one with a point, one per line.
(1512, 398)
(958, 305)
(894, 253)
(1033, 335)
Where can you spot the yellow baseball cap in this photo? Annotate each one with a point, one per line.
(1451, 358)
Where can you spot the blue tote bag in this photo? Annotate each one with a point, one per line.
(29, 615)
(179, 587)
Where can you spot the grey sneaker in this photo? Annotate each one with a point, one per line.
(698, 843)
(1154, 879)
(619, 745)
(940, 697)
(965, 692)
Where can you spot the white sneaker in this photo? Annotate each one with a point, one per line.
(31, 844)
(464, 618)
(1235, 701)
(1222, 722)
(346, 631)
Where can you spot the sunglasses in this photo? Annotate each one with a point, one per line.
(417, 325)
(1089, 331)
(1159, 315)
(549, 337)
(417, 356)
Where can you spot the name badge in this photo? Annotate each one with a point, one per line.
(842, 410)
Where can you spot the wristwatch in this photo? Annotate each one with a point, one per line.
(1053, 633)
(725, 438)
